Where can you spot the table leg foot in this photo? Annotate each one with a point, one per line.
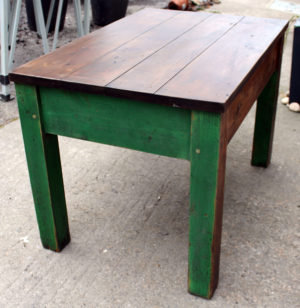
(208, 158)
(43, 159)
(264, 123)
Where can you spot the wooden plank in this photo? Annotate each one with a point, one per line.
(136, 125)
(103, 70)
(44, 167)
(208, 159)
(193, 83)
(213, 77)
(167, 62)
(85, 50)
(249, 92)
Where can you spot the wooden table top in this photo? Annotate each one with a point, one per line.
(193, 60)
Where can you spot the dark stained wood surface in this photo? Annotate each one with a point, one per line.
(175, 56)
(129, 55)
(249, 92)
(192, 60)
(69, 58)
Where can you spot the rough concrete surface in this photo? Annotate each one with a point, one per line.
(128, 214)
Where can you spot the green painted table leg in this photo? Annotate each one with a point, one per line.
(264, 123)
(208, 158)
(45, 173)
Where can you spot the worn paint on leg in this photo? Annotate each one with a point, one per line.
(45, 173)
(208, 157)
(264, 123)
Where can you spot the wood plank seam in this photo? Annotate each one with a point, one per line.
(233, 56)
(200, 54)
(147, 18)
(176, 38)
(116, 48)
(91, 35)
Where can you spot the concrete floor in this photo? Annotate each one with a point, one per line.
(128, 214)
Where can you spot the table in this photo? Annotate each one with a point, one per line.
(166, 82)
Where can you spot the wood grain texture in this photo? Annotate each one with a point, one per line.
(167, 62)
(191, 60)
(139, 126)
(127, 56)
(43, 159)
(250, 90)
(83, 51)
(208, 159)
(216, 74)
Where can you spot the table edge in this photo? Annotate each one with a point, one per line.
(210, 106)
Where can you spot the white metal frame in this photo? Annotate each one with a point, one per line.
(9, 21)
